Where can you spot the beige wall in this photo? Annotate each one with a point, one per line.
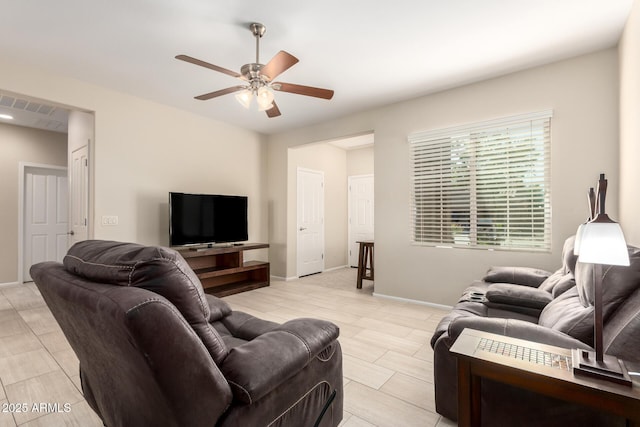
(20, 144)
(143, 150)
(583, 93)
(360, 161)
(629, 52)
(333, 162)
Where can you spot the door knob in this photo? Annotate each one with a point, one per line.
(71, 233)
(303, 228)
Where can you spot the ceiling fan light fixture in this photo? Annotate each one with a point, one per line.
(244, 98)
(258, 79)
(265, 98)
(265, 107)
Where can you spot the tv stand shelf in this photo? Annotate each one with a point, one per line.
(223, 271)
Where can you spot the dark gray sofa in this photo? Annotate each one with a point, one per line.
(155, 350)
(558, 311)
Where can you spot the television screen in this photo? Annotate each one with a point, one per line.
(206, 218)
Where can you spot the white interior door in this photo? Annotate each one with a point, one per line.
(360, 213)
(46, 217)
(79, 187)
(310, 224)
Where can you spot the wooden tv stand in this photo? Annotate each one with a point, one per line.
(223, 271)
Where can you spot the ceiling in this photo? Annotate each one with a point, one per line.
(370, 54)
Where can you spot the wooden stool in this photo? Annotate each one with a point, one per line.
(365, 262)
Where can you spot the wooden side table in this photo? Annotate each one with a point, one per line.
(365, 262)
(557, 381)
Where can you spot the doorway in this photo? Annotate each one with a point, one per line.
(361, 208)
(310, 221)
(44, 213)
(79, 125)
(79, 187)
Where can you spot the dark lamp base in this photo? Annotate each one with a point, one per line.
(610, 369)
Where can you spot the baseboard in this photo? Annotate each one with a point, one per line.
(414, 301)
(4, 285)
(286, 279)
(335, 268)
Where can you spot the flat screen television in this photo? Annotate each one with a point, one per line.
(207, 219)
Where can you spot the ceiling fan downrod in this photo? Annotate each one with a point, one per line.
(258, 31)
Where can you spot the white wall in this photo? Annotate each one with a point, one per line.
(583, 93)
(21, 144)
(143, 150)
(629, 51)
(360, 161)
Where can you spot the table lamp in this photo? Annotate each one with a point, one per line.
(591, 196)
(601, 243)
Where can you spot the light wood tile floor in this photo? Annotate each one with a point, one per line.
(388, 363)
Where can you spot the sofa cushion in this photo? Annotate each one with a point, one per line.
(558, 283)
(618, 283)
(157, 269)
(283, 352)
(620, 334)
(517, 275)
(566, 314)
(569, 259)
(523, 296)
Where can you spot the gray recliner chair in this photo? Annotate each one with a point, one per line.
(155, 350)
(564, 319)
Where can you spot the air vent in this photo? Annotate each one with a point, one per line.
(26, 105)
(6, 101)
(31, 113)
(19, 104)
(51, 125)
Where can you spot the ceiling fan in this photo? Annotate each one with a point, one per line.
(259, 78)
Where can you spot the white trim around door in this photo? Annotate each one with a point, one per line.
(310, 222)
(25, 168)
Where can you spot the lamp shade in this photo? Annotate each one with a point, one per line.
(244, 98)
(578, 241)
(265, 98)
(603, 243)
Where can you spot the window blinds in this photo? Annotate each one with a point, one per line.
(484, 185)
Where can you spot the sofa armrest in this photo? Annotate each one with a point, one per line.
(257, 367)
(217, 308)
(508, 294)
(247, 327)
(526, 276)
(515, 329)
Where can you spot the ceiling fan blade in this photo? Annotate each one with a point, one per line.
(303, 90)
(280, 63)
(273, 111)
(219, 92)
(195, 61)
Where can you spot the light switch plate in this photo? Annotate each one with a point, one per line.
(109, 220)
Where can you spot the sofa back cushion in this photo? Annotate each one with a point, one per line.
(562, 279)
(566, 314)
(157, 269)
(621, 333)
(569, 259)
(618, 283)
(558, 283)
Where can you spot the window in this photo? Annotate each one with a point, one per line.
(484, 185)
